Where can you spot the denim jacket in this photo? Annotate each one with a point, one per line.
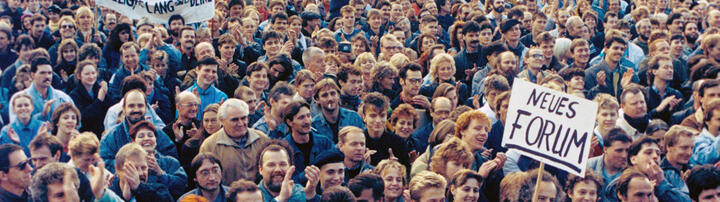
(345, 118)
(674, 175)
(706, 149)
(118, 136)
(319, 144)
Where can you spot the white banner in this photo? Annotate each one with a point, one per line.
(550, 126)
(159, 11)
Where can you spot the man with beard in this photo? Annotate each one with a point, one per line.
(410, 78)
(235, 144)
(15, 173)
(332, 117)
(351, 142)
(276, 168)
(206, 170)
(496, 7)
(679, 144)
(351, 86)
(643, 29)
(468, 60)
(610, 76)
(113, 113)
(45, 98)
(635, 119)
(134, 107)
(131, 182)
(311, 22)
(510, 30)
(305, 143)
(614, 159)
(175, 23)
(207, 69)
(377, 136)
(690, 31)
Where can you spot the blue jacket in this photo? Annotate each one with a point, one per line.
(421, 136)
(118, 136)
(174, 57)
(345, 118)
(174, 178)
(319, 145)
(674, 175)
(208, 96)
(38, 101)
(664, 192)
(298, 193)
(26, 133)
(706, 149)
(115, 84)
(281, 130)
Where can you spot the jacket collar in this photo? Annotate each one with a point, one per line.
(224, 139)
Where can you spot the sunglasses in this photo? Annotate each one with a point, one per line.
(22, 165)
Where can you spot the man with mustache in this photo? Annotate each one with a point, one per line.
(131, 181)
(679, 143)
(691, 34)
(469, 60)
(332, 117)
(276, 168)
(206, 170)
(45, 98)
(496, 7)
(643, 28)
(351, 142)
(15, 173)
(134, 108)
(610, 76)
(305, 143)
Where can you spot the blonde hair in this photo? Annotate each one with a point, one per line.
(364, 57)
(423, 181)
(454, 150)
(606, 101)
(386, 164)
(86, 142)
(127, 151)
(441, 58)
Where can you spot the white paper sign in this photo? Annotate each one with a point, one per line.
(159, 11)
(550, 126)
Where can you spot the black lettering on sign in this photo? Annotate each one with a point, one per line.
(552, 103)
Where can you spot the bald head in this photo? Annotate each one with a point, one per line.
(187, 105)
(204, 49)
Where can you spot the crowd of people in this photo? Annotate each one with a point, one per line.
(354, 100)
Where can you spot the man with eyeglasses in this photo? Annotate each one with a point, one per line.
(206, 170)
(534, 64)
(67, 30)
(15, 173)
(186, 126)
(389, 46)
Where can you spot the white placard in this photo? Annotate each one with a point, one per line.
(550, 126)
(159, 11)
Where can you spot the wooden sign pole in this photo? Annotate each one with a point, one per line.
(537, 182)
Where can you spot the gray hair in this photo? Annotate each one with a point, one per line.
(562, 45)
(50, 174)
(310, 52)
(234, 103)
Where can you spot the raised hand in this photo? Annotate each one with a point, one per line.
(312, 173)
(476, 102)
(178, 131)
(600, 78)
(132, 176)
(153, 166)
(97, 177)
(69, 186)
(391, 156)
(486, 168)
(287, 185)
(626, 78)
(13, 136)
(43, 128)
(194, 132)
(368, 153)
(103, 91)
(422, 101)
(47, 107)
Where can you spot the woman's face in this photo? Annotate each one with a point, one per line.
(606, 118)
(296, 25)
(393, 182)
(452, 167)
(68, 121)
(476, 134)
(387, 82)
(331, 67)
(69, 54)
(83, 160)
(259, 80)
(210, 122)
(590, 22)
(124, 36)
(358, 47)
(27, 23)
(445, 71)
(427, 43)
(150, 86)
(23, 108)
(84, 21)
(404, 126)
(453, 97)
(468, 192)
(160, 67)
(146, 139)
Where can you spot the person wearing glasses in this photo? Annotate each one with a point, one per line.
(186, 124)
(533, 64)
(15, 172)
(206, 173)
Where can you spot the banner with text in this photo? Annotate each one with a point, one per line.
(550, 126)
(159, 11)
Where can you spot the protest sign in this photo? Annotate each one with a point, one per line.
(550, 126)
(159, 11)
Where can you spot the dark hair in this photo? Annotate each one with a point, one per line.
(365, 181)
(411, 66)
(89, 50)
(59, 110)
(271, 35)
(625, 178)
(24, 40)
(337, 194)
(241, 186)
(702, 178)
(143, 124)
(634, 89)
(614, 39)
(276, 145)
(254, 67)
(5, 151)
(133, 82)
(637, 145)
(654, 64)
(281, 16)
(281, 88)
(236, 2)
(113, 41)
(346, 70)
(37, 62)
(177, 17)
(471, 26)
(45, 139)
(331, 156)
(198, 161)
(308, 16)
(708, 83)
(673, 17)
(286, 62)
(207, 61)
(377, 100)
(569, 73)
(656, 125)
(616, 134)
(292, 108)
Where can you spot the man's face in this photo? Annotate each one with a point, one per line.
(472, 39)
(709, 195)
(67, 30)
(411, 84)
(715, 120)
(187, 40)
(664, 71)
(508, 63)
(56, 192)
(375, 119)
(649, 154)
(348, 21)
(329, 99)
(353, 146)
(130, 58)
(332, 174)
(273, 46)
(353, 86)
(390, 48)
(188, 107)
(300, 124)
(42, 156)
(682, 150)
(144, 29)
(43, 76)
(581, 54)
(258, 80)
(204, 50)
(486, 36)
(397, 11)
(4, 41)
(18, 175)
(207, 74)
(280, 25)
(644, 29)
(709, 95)
(441, 110)
(273, 169)
(513, 34)
(235, 123)
(535, 59)
(140, 163)
(432, 195)
(634, 105)
(208, 176)
(227, 50)
(563, 15)
(585, 191)
(134, 107)
(38, 27)
(615, 51)
(691, 32)
(430, 28)
(639, 189)
(278, 106)
(175, 25)
(616, 154)
(375, 21)
(662, 48)
(677, 46)
(538, 25)
(366, 195)
(576, 82)
(305, 89)
(677, 25)
(547, 192)
(611, 22)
